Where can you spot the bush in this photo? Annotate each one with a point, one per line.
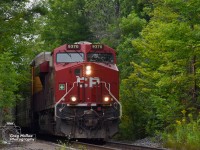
(186, 134)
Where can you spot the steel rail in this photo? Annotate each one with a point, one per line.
(126, 146)
(88, 146)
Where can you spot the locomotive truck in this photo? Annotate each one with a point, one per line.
(75, 92)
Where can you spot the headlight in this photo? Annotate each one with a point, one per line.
(88, 67)
(73, 99)
(106, 99)
(88, 70)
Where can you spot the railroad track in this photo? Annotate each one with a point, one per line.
(111, 146)
(85, 145)
(126, 146)
(88, 146)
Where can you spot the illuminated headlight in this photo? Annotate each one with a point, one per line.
(88, 67)
(73, 99)
(88, 70)
(106, 99)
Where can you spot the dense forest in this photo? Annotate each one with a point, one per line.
(158, 50)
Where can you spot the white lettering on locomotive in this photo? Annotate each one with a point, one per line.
(84, 81)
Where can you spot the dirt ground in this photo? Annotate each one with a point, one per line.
(37, 145)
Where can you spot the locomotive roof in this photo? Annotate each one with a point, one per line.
(84, 46)
(40, 58)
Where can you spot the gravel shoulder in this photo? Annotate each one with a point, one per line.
(44, 145)
(36, 145)
(148, 141)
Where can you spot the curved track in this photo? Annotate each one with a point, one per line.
(125, 146)
(112, 146)
(95, 145)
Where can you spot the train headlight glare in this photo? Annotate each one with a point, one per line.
(73, 99)
(106, 99)
(88, 70)
(88, 67)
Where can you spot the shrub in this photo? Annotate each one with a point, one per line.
(186, 134)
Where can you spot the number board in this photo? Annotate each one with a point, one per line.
(96, 46)
(73, 47)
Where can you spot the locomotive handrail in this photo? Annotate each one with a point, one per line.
(108, 89)
(62, 99)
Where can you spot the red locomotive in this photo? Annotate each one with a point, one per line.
(75, 92)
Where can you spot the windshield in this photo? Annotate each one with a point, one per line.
(69, 57)
(100, 57)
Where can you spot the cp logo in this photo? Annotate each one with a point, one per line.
(88, 81)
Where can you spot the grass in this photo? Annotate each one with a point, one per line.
(186, 134)
(64, 145)
(67, 146)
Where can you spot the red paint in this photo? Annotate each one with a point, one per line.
(44, 67)
(106, 73)
(87, 91)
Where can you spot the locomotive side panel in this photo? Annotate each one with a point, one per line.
(23, 113)
(43, 94)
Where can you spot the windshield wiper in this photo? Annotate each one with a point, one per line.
(68, 54)
(78, 54)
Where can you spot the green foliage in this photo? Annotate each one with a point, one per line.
(140, 7)
(103, 17)
(132, 25)
(64, 22)
(8, 81)
(131, 96)
(164, 74)
(130, 28)
(185, 134)
(135, 107)
(15, 47)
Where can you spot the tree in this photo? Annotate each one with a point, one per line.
(64, 22)
(103, 17)
(140, 7)
(16, 50)
(8, 79)
(8, 84)
(130, 27)
(167, 74)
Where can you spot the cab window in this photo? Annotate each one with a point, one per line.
(100, 57)
(69, 57)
